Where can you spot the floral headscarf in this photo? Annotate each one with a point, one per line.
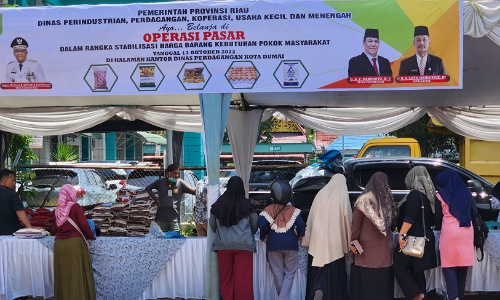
(377, 203)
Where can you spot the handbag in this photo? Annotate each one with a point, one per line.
(415, 245)
(480, 230)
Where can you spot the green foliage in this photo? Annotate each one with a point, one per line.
(21, 142)
(10, 5)
(24, 178)
(160, 133)
(430, 143)
(65, 152)
(310, 135)
(265, 135)
(188, 229)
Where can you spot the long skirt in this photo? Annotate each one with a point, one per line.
(331, 279)
(73, 275)
(371, 283)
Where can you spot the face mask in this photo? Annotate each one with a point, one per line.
(173, 180)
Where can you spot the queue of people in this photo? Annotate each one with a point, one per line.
(333, 230)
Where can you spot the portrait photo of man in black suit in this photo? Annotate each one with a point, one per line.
(369, 63)
(422, 63)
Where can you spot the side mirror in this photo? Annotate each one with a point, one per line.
(474, 186)
(112, 187)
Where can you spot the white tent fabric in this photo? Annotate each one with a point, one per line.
(64, 120)
(243, 128)
(53, 120)
(481, 18)
(179, 118)
(354, 121)
(475, 122)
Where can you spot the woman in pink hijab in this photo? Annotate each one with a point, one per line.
(73, 275)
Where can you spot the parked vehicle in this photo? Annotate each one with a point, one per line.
(270, 170)
(480, 157)
(44, 189)
(359, 171)
(390, 146)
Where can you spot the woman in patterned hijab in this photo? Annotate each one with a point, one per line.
(373, 219)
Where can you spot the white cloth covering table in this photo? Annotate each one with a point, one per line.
(26, 268)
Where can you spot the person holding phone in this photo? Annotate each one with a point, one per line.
(170, 191)
(373, 219)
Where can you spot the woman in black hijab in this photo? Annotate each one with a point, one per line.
(234, 222)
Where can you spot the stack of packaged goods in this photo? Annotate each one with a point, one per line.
(140, 217)
(41, 217)
(102, 216)
(130, 215)
(119, 222)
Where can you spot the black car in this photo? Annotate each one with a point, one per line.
(264, 172)
(358, 172)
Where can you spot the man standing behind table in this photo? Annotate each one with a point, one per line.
(369, 63)
(23, 69)
(170, 191)
(11, 208)
(422, 63)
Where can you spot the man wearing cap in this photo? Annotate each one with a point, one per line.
(369, 63)
(22, 69)
(422, 63)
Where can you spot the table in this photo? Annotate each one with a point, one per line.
(26, 268)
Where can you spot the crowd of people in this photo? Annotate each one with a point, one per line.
(333, 231)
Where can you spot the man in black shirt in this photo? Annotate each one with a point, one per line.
(170, 191)
(11, 208)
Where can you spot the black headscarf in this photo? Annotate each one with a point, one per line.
(456, 195)
(232, 206)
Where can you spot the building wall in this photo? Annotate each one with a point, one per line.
(193, 152)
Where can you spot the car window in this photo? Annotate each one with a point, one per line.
(382, 151)
(56, 177)
(395, 176)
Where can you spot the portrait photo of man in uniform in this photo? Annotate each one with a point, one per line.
(23, 69)
(369, 63)
(422, 63)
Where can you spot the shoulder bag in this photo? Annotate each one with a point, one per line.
(480, 230)
(415, 245)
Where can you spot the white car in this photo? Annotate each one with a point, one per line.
(43, 191)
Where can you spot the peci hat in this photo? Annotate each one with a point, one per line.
(370, 32)
(421, 30)
(19, 43)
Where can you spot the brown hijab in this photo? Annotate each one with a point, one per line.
(377, 203)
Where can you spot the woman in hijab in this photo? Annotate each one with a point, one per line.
(73, 275)
(373, 219)
(283, 227)
(408, 270)
(234, 222)
(328, 233)
(456, 243)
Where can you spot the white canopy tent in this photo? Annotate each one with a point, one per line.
(473, 111)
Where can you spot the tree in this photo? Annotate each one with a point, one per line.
(431, 143)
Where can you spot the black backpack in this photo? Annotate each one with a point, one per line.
(480, 230)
